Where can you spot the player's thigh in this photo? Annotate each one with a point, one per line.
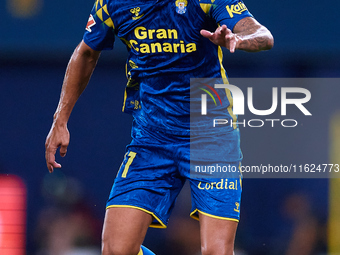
(124, 230)
(217, 235)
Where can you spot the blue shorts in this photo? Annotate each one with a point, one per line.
(154, 170)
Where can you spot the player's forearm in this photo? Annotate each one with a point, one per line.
(258, 41)
(253, 36)
(77, 76)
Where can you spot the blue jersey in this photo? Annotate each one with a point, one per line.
(165, 51)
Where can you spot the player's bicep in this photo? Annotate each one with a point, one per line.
(86, 50)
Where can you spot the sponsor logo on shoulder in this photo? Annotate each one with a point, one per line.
(90, 23)
(236, 9)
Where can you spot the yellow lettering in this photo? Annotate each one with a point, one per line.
(199, 185)
(232, 185)
(167, 47)
(176, 45)
(172, 34)
(207, 186)
(161, 33)
(191, 47)
(151, 32)
(140, 33)
(133, 43)
(182, 46)
(230, 11)
(144, 48)
(237, 9)
(153, 47)
(212, 185)
(219, 185)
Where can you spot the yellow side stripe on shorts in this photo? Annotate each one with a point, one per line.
(210, 215)
(152, 225)
(140, 252)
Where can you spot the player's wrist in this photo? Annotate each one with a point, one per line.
(59, 121)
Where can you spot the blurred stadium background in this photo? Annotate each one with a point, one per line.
(62, 213)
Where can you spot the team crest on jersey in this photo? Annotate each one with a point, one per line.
(90, 23)
(181, 6)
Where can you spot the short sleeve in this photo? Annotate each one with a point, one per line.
(229, 12)
(99, 34)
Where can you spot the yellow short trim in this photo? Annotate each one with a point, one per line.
(152, 225)
(210, 215)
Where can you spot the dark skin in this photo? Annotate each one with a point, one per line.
(77, 76)
(125, 228)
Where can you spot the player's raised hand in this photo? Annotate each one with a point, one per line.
(222, 36)
(58, 136)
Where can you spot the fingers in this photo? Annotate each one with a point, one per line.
(50, 159)
(232, 46)
(223, 30)
(57, 137)
(222, 36)
(52, 166)
(229, 37)
(206, 34)
(220, 32)
(63, 150)
(232, 40)
(50, 154)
